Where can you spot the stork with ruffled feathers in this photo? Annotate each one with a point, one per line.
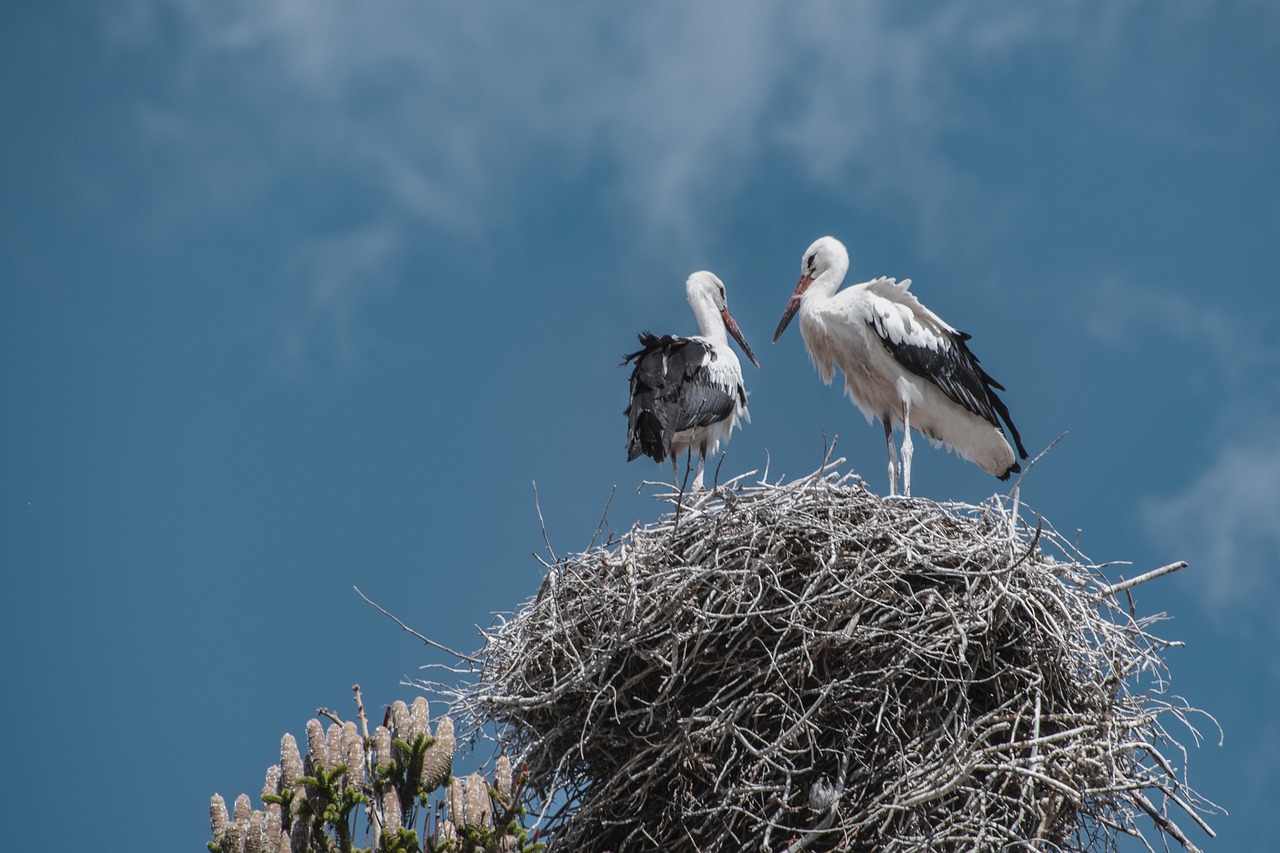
(687, 393)
(902, 364)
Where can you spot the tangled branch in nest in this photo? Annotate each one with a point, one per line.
(809, 666)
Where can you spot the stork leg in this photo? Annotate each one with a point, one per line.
(702, 461)
(907, 449)
(893, 456)
(675, 472)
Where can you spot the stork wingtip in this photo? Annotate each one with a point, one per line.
(1015, 468)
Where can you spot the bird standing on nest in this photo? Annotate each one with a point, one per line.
(687, 392)
(902, 364)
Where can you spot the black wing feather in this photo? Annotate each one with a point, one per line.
(956, 371)
(670, 391)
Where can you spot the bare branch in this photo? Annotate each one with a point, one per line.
(427, 640)
(1112, 589)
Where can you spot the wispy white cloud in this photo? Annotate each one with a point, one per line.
(446, 106)
(441, 113)
(336, 281)
(1232, 337)
(1227, 521)
(877, 91)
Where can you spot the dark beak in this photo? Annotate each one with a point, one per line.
(737, 335)
(793, 305)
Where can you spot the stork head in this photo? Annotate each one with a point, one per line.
(826, 261)
(705, 288)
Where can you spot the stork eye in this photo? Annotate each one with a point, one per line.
(812, 261)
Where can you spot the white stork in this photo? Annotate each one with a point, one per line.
(687, 393)
(902, 364)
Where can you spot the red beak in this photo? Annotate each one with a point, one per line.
(737, 334)
(793, 305)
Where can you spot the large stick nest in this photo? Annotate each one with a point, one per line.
(809, 666)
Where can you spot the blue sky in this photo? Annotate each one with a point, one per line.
(296, 297)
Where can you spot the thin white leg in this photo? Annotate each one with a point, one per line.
(893, 457)
(702, 461)
(907, 448)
